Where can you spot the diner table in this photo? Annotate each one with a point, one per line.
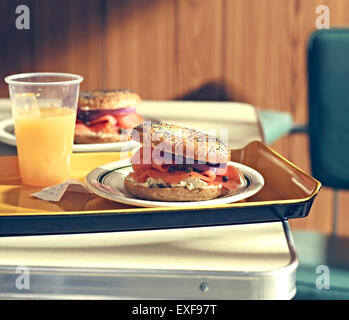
(238, 261)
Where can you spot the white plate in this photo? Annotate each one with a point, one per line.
(108, 182)
(7, 136)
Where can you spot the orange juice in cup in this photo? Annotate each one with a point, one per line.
(54, 128)
(44, 112)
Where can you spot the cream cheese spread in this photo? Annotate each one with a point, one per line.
(189, 183)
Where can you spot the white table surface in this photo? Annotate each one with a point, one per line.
(241, 252)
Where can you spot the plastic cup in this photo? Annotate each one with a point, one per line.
(44, 112)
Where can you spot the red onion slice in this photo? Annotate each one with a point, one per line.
(219, 170)
(89, 115)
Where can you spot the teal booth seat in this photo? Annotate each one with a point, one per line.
(275, 124)
(328, 130)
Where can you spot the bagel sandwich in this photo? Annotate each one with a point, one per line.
(180, 164)
(106, 116)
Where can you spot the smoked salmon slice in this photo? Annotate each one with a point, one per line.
(160, 171)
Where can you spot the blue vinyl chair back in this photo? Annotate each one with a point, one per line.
(328, 123)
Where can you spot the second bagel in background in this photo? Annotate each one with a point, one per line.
(106, 116)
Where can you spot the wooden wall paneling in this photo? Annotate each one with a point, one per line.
(140, 47)
(16, 46)
(68, 38)
(199, 35)
(258, 55)
(343, 220)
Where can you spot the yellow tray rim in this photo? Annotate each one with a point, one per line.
(316, 190)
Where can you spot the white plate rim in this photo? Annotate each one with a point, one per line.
(6, 137)
(256, 184)
(10, 139)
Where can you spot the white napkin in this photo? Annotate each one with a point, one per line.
(56, 192)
